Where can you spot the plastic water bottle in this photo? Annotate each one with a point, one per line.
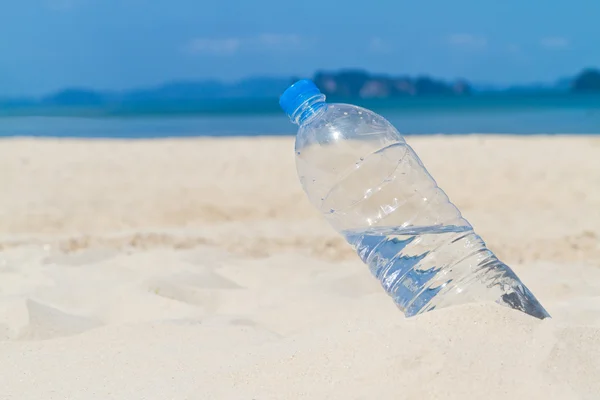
(371, 186)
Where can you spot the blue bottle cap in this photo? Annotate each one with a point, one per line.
(297, 94)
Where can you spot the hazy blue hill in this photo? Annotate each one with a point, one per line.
(181, 91)
(259, 87)
(75, 97)
(176, 94)
(203, 90)
(259, 95)
(564, 83)
(17, 102)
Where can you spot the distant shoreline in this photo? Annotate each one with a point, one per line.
(269, 106)
(524, 119)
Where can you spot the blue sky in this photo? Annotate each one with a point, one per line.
(115, 44)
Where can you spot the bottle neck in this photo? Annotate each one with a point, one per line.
(309, 110)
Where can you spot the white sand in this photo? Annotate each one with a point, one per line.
(196, 269)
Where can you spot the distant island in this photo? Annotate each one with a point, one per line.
(587, 81)
(360, 84)
(250, 95)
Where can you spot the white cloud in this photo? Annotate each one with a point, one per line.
(378, 45)
(222, 47)
(233, 45)
(277, 40)
(554, 42)
(467, 41)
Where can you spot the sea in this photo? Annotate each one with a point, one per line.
(501, 114)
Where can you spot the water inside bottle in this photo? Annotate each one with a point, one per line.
(423, 268)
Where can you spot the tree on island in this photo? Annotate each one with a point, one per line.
(587, 81)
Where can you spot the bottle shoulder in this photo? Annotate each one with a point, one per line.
(339, 121)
